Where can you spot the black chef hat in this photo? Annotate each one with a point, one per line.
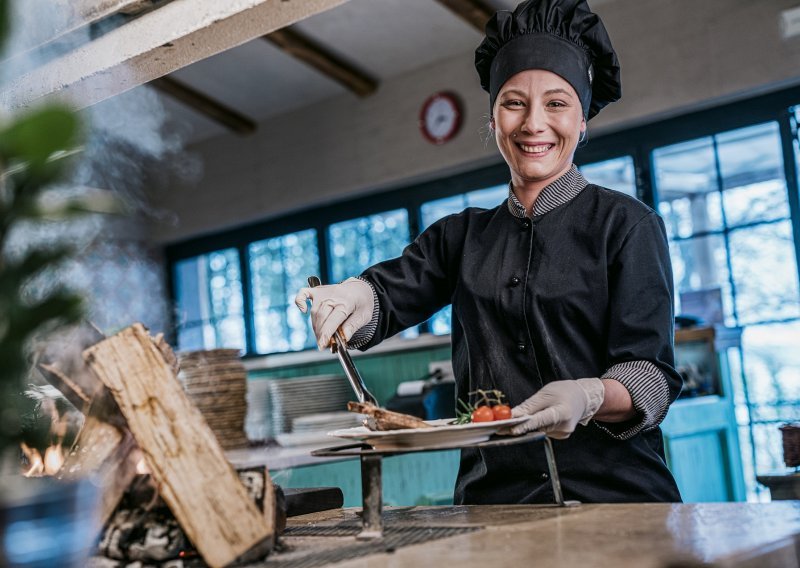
(562, 36)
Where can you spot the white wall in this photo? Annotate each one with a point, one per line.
(676, 55)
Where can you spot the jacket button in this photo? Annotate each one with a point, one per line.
(521, 347)
(514, 281)
(526, 224)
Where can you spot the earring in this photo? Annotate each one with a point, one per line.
(582, 137)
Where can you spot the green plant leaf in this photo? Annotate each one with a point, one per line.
(15, 273)
(37, 136)
(59, 307)
(3, 22)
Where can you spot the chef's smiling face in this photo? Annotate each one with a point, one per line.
(538, 121)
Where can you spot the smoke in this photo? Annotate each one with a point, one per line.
(129, 146)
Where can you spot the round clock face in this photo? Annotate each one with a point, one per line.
(440, 118)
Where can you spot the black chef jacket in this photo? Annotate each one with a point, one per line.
(563, 295)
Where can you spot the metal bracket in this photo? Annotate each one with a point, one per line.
(372, 498)
(554, 479)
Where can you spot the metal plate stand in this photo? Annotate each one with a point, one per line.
(371, 468)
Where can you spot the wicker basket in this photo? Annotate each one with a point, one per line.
(791, 444)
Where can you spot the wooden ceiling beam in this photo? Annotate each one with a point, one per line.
(205, 105)
(306, 50)
(475, 12)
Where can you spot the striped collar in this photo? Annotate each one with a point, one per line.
(557, 193)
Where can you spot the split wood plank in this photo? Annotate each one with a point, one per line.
(195, 480)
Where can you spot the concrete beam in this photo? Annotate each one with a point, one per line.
(67, 16)
(153, 45)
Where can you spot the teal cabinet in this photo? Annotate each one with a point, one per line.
(700, 434)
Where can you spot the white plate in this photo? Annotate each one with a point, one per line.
(295, 439)
(441, 434)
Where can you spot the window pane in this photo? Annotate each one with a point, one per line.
(752, 174)
(440, 322)
(432, 211)
(700, 264)
(617, 174)
(488, 198)
(359, 243)
(772, 362)
(686, 181)
(208, 291)
(765, 272)
(279, 267)
(484, 198)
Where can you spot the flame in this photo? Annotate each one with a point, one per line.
(53, 459)
(36, 467)
(48, 465)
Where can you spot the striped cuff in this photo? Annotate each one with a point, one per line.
(649, 392)
(365, 333)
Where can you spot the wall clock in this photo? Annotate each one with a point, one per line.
(440, 117)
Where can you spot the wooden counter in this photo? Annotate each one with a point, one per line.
(597, 536)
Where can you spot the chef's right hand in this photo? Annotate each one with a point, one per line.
(347, 305)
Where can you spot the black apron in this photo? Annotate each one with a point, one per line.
(564, 295)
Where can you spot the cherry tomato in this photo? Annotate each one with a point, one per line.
(501, 412)
(483, 414)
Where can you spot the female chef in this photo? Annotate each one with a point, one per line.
(561, 295)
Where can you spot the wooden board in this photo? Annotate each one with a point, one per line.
(183, 456)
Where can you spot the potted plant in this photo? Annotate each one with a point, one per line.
(38, 518)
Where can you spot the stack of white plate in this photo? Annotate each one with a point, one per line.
(300, 396)
(257, 423)
(325, 422)
(216, 382)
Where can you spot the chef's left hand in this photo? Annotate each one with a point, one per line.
(560, 406)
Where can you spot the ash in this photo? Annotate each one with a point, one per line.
(143, 533)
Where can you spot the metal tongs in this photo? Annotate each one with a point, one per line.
(339, 346)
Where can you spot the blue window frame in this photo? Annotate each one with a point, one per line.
(726, 204)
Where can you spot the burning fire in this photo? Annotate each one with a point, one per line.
(47, 465)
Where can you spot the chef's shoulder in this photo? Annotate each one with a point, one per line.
(621, 210)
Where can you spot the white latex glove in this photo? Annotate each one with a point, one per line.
(560, 406)
(347, 305)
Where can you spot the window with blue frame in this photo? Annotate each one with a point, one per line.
(279, 267)
(725, 202)
(209, 302)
